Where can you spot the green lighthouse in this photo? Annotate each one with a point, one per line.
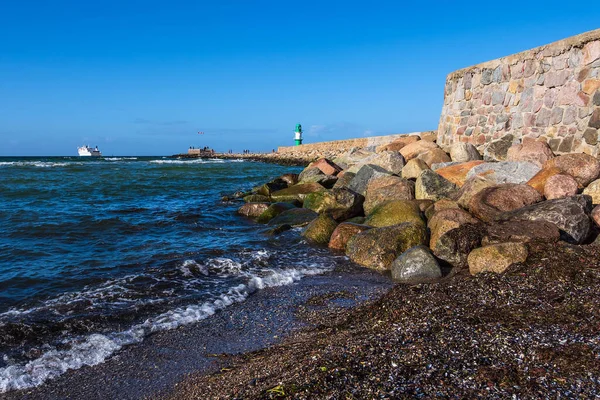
(298, 135)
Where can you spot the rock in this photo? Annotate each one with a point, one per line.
(385, 188)
(593, 190)
(320, 229)
(583, 167)
(440, 205)
(274, 210)
(471, 187)
(391, 161)
(446, 220)
(295, 217)
(457, 173)
(344, 179)
(290, 179)
(455, 245)
(436, 166)
(569, 214)
(416, 265)
(497, 257)
(352, 157)
(433, 186)
(561, 185)
(423, 204)
(326, 166)
(429, 136)
(505, 172)
(310, 173)
(252, 210)
(340, 203)
(296, 192)
(464, 152)
(256, 198)
(268, 188)
(356, 220)
(492, 201)
(366, 173)
(343, 233)
(398, 144)
(413, 168)
(595, 215)
(434, 156)
(327, 181)
(520, 231)
(534, 151)
(538, 182)
(395, 212)
(498, 149)
(276, 230)
(377, 248)
(413, 150)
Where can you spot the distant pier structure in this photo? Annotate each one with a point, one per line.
(298, 135)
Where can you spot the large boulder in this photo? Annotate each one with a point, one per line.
(497, 257)
(256, 198)
(489, 203)
(464, 152)
(354, 156)
(274, 210)
(268, 188)
(434, 156)
(320, 229)
(429, 136)
(340, 203)
(497, 150)
(446, 220)
(377, 248)
(471, 187)
(416, 265)
(366, 173)
(252, 210)
(593, 190)
(398, 144)
(536, 152)
(326, 166)
(457, 173)
(538, 181)
(391, 161)
(413, 168)
(455, 245)
(344, 179)
(395, 212)
(569, 214)
(561, 185)
(520, 231)
(297, 192)
(343, 233)
(432, 186)
(310, 173)
(415, 149)
(385, 188)
(583, 167)
(294, 218)
(505, 172)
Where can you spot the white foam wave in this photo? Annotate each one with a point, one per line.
(192, 268)
(95, 348)
(195, 161)
(120, 158)
(39, 164)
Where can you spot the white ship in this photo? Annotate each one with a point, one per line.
(88, 151)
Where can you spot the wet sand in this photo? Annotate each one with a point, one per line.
(155, 366)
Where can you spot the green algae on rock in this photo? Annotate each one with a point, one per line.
(395, 212)
(320, 229)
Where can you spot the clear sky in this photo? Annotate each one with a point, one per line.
(143, 77)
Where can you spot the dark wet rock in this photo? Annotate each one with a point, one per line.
(415, 265)
(432, 186)
(569, 214)
(268, 188)
(294, 217)
(277, 230)
(343, 233)
(489, 203)
(583, 167)
(455, 245)
(377, 248)
(445, 220)
(319, 230)
(297, 192)
(496, 257)
(290, 179)
(395, 212)
(237, 195)
(274, 210)
(256, 198)
(341, 203)
(253, 210)
(364, 175)
(520, 231)
(385, 188)
(356, 220)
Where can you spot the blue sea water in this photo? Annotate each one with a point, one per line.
(98, 253)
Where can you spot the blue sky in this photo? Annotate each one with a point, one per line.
(142, 77)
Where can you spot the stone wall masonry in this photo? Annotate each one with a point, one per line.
(550, 93)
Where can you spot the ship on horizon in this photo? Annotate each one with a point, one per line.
(86, 151)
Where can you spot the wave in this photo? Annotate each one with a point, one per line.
(196, 161)
(92, 349)
(120, 158)
(40, 164)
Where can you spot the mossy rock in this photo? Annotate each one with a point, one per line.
(274, 210)
(268, 188)
(395, 212)
(432, 186)
(295, 217)
(340, 203)
(256, 198)
(320, 229)
(297, 192)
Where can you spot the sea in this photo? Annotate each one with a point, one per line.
(98, 253)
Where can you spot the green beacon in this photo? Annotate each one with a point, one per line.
(298, 135)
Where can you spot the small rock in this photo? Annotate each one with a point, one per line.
(343, 233)
(464, 152)
(253, 210)
(561, 185)
(593, 190)
(583, 167)
(432, 186)
(320, 229)
(415, 265)
(595, 215)
(497, 257)
(413, 168)
(491, 202)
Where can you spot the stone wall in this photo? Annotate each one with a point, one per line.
(550, 92)
(340, 146)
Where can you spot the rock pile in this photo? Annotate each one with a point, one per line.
(413, 209)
